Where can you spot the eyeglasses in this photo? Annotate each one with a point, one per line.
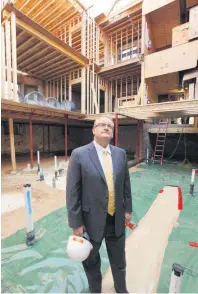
(102, 125)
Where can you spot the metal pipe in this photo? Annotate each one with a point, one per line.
(38, 160)
(31, 145)
(147, 155)
(30, 234)
(55, 163)
(42, 175)
(66, 139)
(176, 278)
(192, 182)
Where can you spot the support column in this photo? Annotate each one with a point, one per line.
(83, 34)
(14, 55)
(70, 88)
(12, 146)
(83, 89)
(8, 59)
(48, 138)
(106, 95)
(139, 141)
(66, 138)
(143, 85)
(106, 57)
(31, 145)
(3, 72)
(116, 129)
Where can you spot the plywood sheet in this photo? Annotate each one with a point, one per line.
(190, 3)
(172, 60)
(193, 23)
(149, 6)
(162, 29)
(180, 34)
(165, 83)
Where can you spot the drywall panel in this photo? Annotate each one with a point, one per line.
(193, 23)
(172, 60)
(151, 5)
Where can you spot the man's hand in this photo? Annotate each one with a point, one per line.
(128, 217)
(78, 231)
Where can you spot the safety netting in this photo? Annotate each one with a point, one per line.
(45, 267)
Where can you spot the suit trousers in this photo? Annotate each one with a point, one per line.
(116, 253)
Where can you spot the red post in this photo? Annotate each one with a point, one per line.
(137, 142)
(139, 139)
(31, 145)
(180, 199)
(116, 129)
(66, 139)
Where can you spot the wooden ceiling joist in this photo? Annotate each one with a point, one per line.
(39, 33)
(63, 71)
(22, 58)
(50, 14)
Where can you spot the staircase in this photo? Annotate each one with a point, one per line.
(160, 142)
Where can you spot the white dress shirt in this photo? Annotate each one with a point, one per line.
(100, 150)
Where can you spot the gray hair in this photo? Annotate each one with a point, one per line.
(104, 116)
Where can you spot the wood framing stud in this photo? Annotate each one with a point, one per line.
(14, 55)
(12, 145)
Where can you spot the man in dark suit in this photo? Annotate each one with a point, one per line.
(98, 197)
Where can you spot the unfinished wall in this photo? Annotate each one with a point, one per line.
(40, 139)
(77, 136)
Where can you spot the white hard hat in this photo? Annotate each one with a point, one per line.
(78, 248)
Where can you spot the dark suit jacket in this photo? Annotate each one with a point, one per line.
(87, 192)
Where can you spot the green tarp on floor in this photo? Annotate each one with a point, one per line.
(45, 268)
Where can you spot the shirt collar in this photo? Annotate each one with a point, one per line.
(100, 148)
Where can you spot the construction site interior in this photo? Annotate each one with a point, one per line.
(63, 66)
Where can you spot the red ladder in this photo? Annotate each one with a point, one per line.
(160, 142)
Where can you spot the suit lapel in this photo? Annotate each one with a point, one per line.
(94, 157)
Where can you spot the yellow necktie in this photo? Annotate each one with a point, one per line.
(110, 184)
